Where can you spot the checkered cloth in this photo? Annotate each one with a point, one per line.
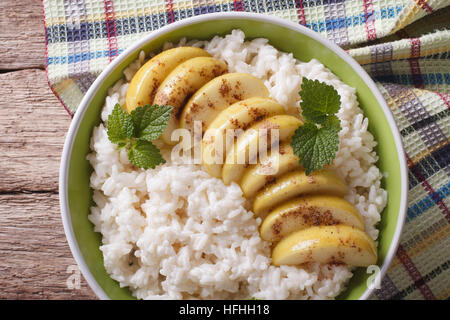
(403, 44)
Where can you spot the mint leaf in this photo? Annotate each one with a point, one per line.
(144, 154)
(334, 122)
(319, 101)
(315, 146)
(120, 126)
(150, 121)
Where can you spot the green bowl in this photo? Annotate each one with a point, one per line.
(76, 195)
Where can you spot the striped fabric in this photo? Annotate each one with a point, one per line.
(403, 44)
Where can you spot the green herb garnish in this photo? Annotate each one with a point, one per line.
(316, 141)
(135, 132)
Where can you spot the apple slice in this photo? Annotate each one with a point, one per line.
(297, 183)
(217, 95)
(307, 211)
(240, 115)
(181, 83)
(326, 244)
(247, 143)
(277, 163)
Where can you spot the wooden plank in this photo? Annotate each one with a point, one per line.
(32, 130)
(22, 35)
(35, 259)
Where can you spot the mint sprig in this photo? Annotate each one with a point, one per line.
(135, 132)
(316, 141)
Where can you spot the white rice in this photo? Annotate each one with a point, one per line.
(174, 232)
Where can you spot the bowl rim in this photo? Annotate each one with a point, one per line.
(74, 126)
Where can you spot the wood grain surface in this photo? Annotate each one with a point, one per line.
(21, 34)
(35, 259)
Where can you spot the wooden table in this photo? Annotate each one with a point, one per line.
(35, 259)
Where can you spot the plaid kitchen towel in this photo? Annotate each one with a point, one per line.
(403, 44)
